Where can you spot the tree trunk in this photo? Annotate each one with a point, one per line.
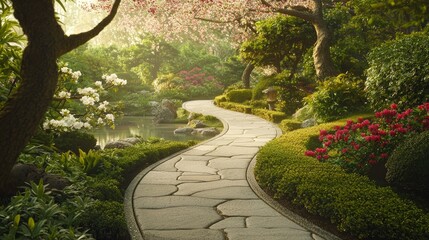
(23, 112)
(246, 75)
(323, 63)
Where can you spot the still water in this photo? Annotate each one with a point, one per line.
(143, 127)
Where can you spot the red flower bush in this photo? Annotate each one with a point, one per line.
(358, 146)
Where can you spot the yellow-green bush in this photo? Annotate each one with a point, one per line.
(353, 202)
(239, 95)
(288, 125)
(272, 116)
(219, 99)
(236, 107)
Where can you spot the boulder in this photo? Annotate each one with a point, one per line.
(208, 132)
(132, 140)
(117, 144)
(309, 123)
(197, 124)
(185, 130)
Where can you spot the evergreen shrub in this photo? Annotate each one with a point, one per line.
(73, 141)
(239, 95)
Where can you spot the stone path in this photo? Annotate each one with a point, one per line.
(203, 193)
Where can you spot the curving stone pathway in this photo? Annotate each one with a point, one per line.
(203, 193)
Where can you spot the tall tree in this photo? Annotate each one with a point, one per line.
(23, 111)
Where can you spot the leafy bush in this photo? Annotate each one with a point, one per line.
(106, 190)
(399, 72)
(106, 220)
(408, 167)
(272, 116)
(362, 146)
(337, 97)
(351, 201)
(219, 99)
(288, 125)
(73, 141)
(263, 83)
(236, 107)
(239, 95)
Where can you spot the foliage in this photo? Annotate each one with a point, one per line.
(359, 147)
(408, 166)
(279, 42)
(337, 97)
(89, 161)
(399, 72)
(34, 214)
(218, 99)
(105, 190)
(236, 107)
(287, 125)
(272, 116)
(75, 140)
(352, 202)
(239, 95)
(106, 220)
(263, 83)
(292, 90)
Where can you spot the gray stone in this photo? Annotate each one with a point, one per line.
(230, 222)
(175, 201)
(160, 177)
(228, 193)
(233, 174)
(266, 233)
(191, 188)
(309, 123)
(193, 234)
(195, 166)
(197, 124)
(199, 178)
(184, 130)
(272, 222)
(228, 151)
(206, 131)
(186, 157)
(132, 140)
(247, 208)
(153, 190)
(169, 165)
(227, 163)
(177, 218)
(117, 144)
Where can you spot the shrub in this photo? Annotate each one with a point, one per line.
(106, 190)
(351, 201)
(73, 141)
(239, 95)
(263, 83)
(408, 167)
(106, 220)
(219, 99)
(236, 107)
(288, 125)
(272, 116)
(362, 146)
(337, 97)
(399, 72)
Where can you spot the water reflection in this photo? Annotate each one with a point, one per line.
(140, 126)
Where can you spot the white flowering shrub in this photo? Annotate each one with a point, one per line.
(76, 107)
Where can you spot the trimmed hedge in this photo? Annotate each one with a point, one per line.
(352, 202)
(288, 125)
(218, 99)
(236, 107)
(239, 95)
(272, 116)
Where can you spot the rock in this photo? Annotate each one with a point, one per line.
(56, 181)
(117, 144)
(211, 131)
(185, 130)
(197, 124)
(132, 140)
(164, 112)
(309, 123)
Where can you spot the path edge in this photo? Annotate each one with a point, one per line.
(130, 218)
(250, 177)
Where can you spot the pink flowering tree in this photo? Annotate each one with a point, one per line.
(360, 146)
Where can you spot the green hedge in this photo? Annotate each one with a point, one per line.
(272, 116)
(239, 95)
(236, 107)
(354, 203)
(219, 99)
(288, 125)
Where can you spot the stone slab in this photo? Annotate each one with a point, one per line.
(192, 188)
(175, 201)
(225, 163)
(228, 193)
(161, 177)
(199, 178)
(185, 157)
(272, 222)
(247, 208)
(229, 151)
(233, 174)
(191, 217)
(230, 222)
(193, 234)
(266, 233)
(168, 165)
(195, 166)
(153, 190)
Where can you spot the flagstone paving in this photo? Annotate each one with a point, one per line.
(203, 193)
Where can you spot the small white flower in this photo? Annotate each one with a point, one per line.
(99, 84)
(100, 121)
(64, 69)
(65, 112)
(86, 100)
(78, 125)
(110, 117)
(64, 94)
(87, 125)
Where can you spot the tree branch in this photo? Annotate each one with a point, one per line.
(310, 17)
(73, 41)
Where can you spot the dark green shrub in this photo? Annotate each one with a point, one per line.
(408, 167)
(288, 125)
(106, 220)
(352, 202)
(106, 190)
(239, 95)
(337, 97)
(73, 141)
(399, 72)
(263, 83)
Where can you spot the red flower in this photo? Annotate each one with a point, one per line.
(384, 155)
(393, 106)
(323, 132)
(372, 162)
(310, 153)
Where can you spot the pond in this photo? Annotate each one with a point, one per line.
(141, 126)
